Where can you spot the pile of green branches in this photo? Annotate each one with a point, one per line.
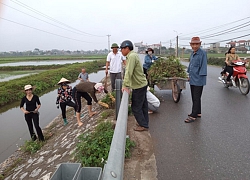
(166, 68)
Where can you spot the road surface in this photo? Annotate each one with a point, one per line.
(216, 146)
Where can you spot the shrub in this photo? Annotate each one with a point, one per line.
(93, 147)
(32, 146)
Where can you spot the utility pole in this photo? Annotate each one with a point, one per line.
(177, 46)
(108, 42)
(160, 47)
(177, 42)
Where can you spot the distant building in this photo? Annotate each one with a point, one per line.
(155, 46)
(214, 46)
(241, 45)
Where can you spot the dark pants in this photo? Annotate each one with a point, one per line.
(35, 117)
(145, 71)
(196, 92)
(77, 98)
(113, 77)
(140, 106)
(229, 69)
(63, 107)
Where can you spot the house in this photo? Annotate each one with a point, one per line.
(241, 45)
(155, 46)
(214, 46)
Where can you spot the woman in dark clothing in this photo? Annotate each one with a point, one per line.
(64, 97)
(32, 103)
(230, 56)
(83, 89)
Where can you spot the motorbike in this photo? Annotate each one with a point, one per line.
(239, 78)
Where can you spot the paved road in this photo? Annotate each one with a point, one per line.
(217, 146)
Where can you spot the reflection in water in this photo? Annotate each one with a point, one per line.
(15, 77)
(13, 129)
(38, 63)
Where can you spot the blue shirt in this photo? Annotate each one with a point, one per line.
(197, 68)
(148, 61)
(84, 76)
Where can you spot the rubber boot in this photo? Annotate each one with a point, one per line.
(65, 121)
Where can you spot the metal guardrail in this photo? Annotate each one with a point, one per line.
(115, 163)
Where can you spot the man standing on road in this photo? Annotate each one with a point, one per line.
(135, 79)
(197, 70)
(114, 62)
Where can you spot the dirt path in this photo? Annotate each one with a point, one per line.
(60, 146)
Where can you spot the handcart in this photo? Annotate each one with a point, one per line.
(175, 83)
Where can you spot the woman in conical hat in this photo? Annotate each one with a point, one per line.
(64, 98)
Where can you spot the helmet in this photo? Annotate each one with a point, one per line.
(127, 43)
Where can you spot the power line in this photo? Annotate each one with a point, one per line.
(41, 19)
(48, 17)
(226, 31)
(43, 30)
(232, 38)
(216, 27)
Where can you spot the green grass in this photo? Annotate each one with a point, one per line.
(93, 147)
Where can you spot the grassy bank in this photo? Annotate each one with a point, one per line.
(13, 89)
(31, 67)
(36, 58)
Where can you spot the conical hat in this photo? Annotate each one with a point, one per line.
(63, 80)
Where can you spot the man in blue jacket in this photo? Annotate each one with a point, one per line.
(197, 70)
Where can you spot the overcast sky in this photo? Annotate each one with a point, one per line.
(84, 25)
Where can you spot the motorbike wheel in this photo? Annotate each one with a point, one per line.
(244, 86)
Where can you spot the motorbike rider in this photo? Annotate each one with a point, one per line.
(230, 56)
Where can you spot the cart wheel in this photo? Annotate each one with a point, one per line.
(176, 92)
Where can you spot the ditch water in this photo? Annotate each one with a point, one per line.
(9, 77)
(14, 130)
(43, 62)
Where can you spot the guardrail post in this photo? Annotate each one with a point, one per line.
(118, 96)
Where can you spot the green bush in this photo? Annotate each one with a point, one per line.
(105, 114)
(93, 147)
(108, 100)
(32, 146)
(216, 61)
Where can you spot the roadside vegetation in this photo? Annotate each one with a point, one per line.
(93, 147)
(13, 90)
(10, 169)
